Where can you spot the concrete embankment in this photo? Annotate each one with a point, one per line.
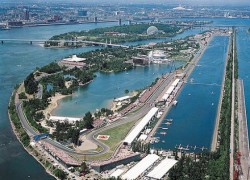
(243, 132)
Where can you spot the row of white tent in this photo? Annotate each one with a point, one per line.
(156, 173)
(170, 89)
(140, 126)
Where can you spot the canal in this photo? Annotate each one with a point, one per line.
(195, 114)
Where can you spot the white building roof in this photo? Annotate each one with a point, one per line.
(139, 127)
(74, 58)
(161, 169)
(140, 167)
(175, 82)
(64, 119)
(143, 137)
(165, 97)
(170, 90)
(122, 98)
(117, 173)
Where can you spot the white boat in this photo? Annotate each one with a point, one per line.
(175, 102)
(6, 28)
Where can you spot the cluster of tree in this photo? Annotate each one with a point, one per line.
(84, 169)
(22, 95)
(103, 112)
(30, 84)
(127, 29)
(60, 174)
(136, 32)
(65, 131)
(82, 75)
(198, 167)
(87, 121)
(31, 109)
(58, 83)
(51, 68)
(138, 146)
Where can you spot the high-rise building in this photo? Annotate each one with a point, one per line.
(27, 15)
(82, 13)
(120, 22)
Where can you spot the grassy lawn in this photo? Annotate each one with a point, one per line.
(117, 134)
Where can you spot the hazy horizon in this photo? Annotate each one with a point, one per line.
(182, 2)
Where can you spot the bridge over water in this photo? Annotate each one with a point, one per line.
(59, 41)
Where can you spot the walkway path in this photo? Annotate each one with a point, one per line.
(232, 115)
(243, 132)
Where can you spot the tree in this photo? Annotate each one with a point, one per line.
(88, 121)
(84, 168)
(30, 84)
(60, 174)
(75, 136)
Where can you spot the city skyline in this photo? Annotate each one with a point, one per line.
(182, 2)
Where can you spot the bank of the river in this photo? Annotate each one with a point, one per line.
(28, 148)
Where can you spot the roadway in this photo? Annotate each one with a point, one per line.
(231, 170)
(130, 117)
(243, 133)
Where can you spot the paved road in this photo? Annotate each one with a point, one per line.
(232, 115)
(130, 117)
(243, 132)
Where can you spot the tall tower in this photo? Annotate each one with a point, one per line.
(27, 15)
(120, 22)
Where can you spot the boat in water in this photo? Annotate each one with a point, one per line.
(5, 28)
(175, 102)
(163, 133)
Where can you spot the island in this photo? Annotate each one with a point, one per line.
(103, 139)
(114, 35)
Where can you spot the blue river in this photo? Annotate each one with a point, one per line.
(18, 60)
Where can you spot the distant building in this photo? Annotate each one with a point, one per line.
(152, 30)
(73, 61)
(141, 59)
(158, 57)
(82, 13)
(15, 23)
(120, 22)
(179, 8)
(27, 15)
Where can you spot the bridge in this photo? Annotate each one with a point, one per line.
(31, 41)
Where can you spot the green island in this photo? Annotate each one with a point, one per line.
(115, 35)
(45, 83)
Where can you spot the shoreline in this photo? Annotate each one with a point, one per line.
(25, 148)
(54, 103)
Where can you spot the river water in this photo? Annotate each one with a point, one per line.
(18, 60)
